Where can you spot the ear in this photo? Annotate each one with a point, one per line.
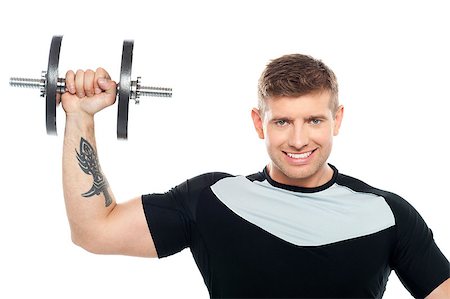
(258, 122)
(338, 120)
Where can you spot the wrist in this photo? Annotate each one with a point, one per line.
(81, 122)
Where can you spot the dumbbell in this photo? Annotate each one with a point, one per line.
(51, 87)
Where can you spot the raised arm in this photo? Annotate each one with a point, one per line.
(97, 222)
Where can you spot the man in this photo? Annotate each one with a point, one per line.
(297, 229)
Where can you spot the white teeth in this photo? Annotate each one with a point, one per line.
(300, 156)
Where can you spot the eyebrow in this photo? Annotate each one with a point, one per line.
(278, 118)
(313, 116)
(317, 116)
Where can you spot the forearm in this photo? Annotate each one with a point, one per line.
(87, 195)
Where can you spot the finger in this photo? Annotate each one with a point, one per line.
(100, 73)
(89, 82)
(79, 83)
(70, 81)
(107, 85)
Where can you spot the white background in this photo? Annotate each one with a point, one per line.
(391, 59)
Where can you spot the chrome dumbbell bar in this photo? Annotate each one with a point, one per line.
(51, 87)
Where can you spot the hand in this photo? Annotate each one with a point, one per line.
(88, 92)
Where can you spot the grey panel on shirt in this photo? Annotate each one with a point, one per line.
(305, 219)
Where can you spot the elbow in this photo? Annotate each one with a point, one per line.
(87, 243)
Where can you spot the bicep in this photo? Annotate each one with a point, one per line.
(126, 231)
(417, 260)
(441, 292)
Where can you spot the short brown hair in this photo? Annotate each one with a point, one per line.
(295, 75)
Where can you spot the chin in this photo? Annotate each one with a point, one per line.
(299, 175)
(301, 172)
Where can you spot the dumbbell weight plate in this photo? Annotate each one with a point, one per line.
(51, 93)
(124, 89)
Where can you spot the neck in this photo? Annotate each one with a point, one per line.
(323, 175)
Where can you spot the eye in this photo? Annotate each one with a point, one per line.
(281, 122)
(315, 121)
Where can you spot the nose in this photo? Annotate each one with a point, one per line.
(298, 137)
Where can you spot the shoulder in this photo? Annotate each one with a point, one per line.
(208, 179)
(195, 186)
(415, 257)
(204, 180)
(402, 210)
(358, 185)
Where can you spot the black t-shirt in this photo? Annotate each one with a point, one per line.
(252, 237)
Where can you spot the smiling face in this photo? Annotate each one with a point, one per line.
(298, 132)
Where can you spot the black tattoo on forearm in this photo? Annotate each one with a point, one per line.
(88, 161)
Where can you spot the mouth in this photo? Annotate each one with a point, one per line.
(299, 156)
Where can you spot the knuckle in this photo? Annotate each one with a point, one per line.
(101, 72)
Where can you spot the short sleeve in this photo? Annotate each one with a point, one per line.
(171, 216)
(417, 260)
